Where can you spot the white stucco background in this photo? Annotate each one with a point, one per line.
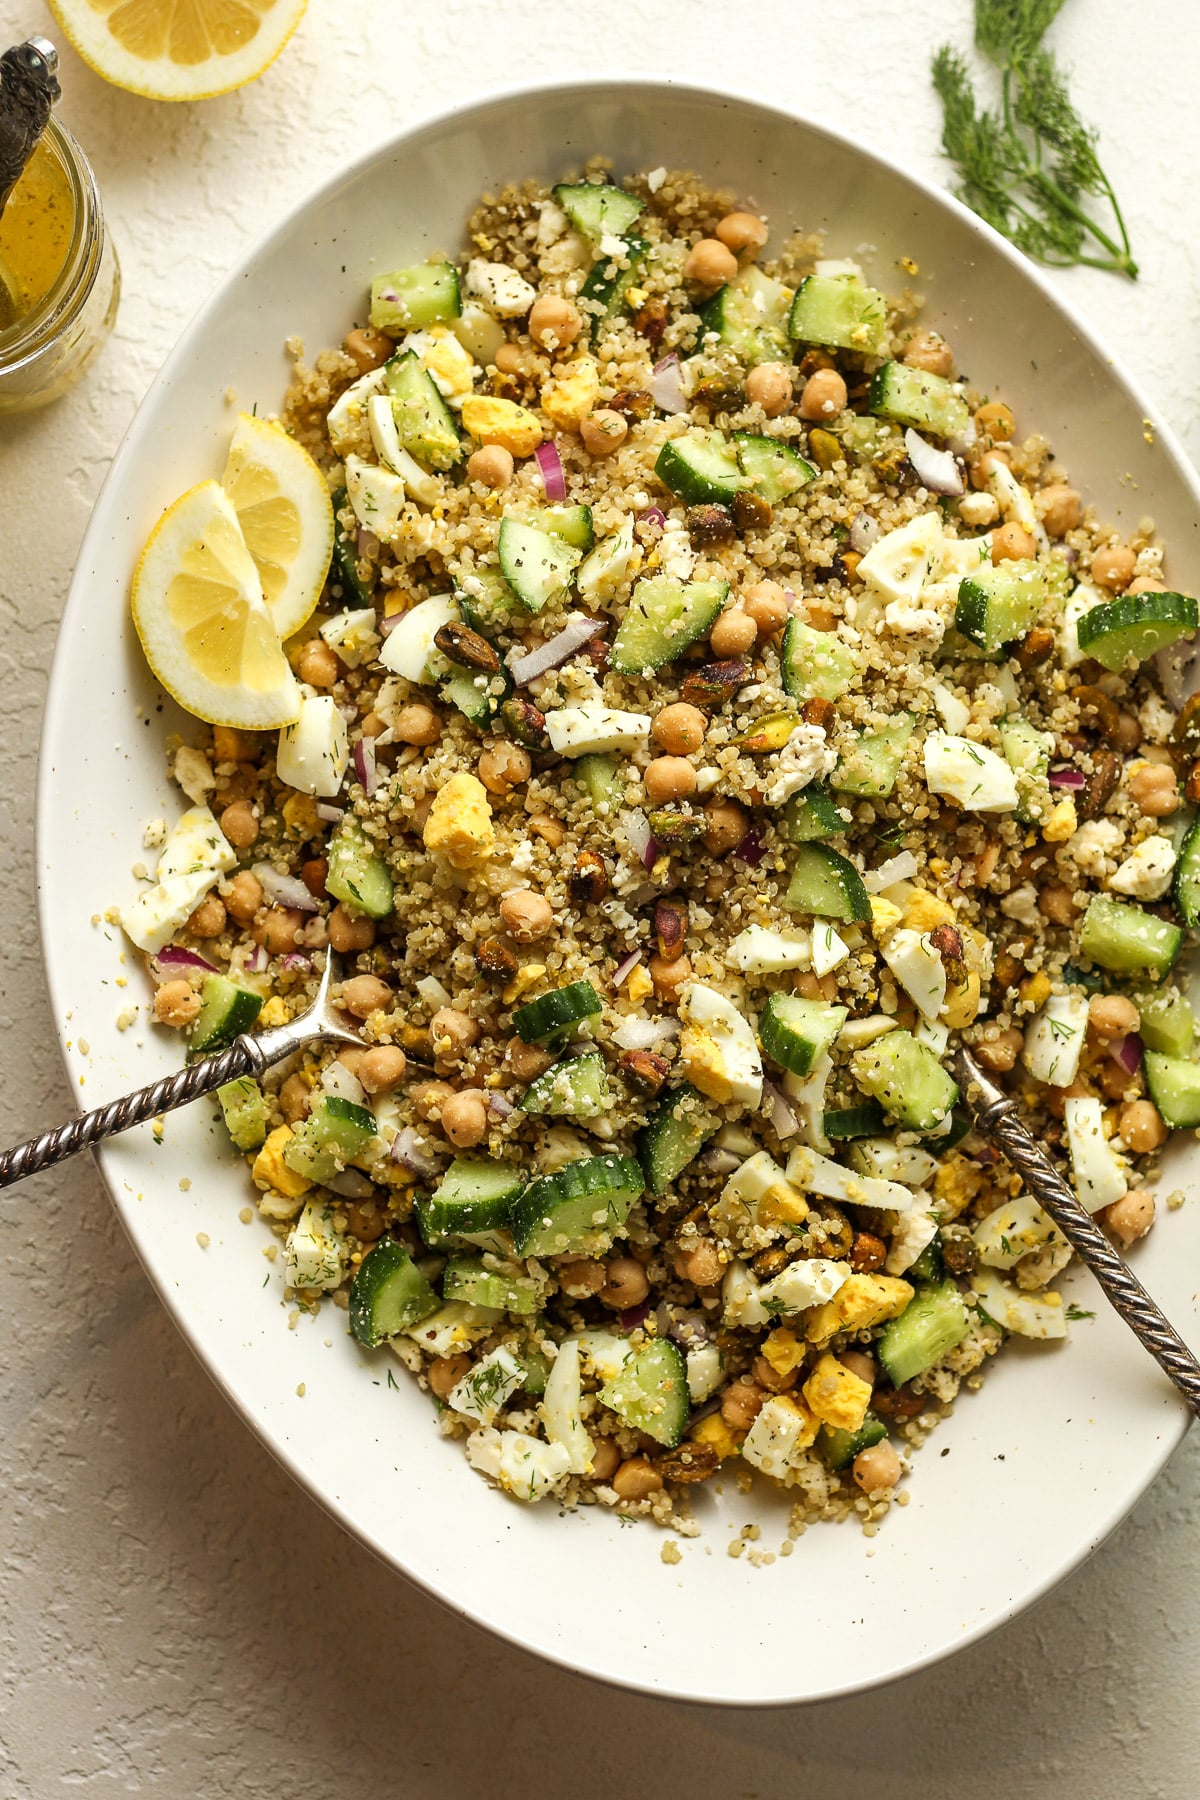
(176, 1618)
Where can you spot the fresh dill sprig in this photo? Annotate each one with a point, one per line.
(1029, 166)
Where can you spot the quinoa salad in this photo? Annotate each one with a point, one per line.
(707, 707)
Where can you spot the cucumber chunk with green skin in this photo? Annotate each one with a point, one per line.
(598, 209)
(601, 778)
(933, 1322)
(872, 766)
(1174, 1085)
(675, 1136)
(651, 1392)
(827, 884)
(408, 299)
(1027, 753)
(389, 1294)
(838, 1449)
(357, 874)
(1186, 884)
(334, 1133)
(577, 1089)
(815, 664)
(775, 470)
(929, 1266)
(811, 814)
(915, 397)
(961, 1123)
(1127, 940)
(1136, 625)
(701, 466)
(245, 1112)
(841, 313)
(226, 1010)
(506, 1287)
(570, 524)
(843, 1123)
(426, 427)
(999, 602)
(795, 1032)
(473, 1195)
(1168, 1023)
(907, 1080)
(552, 1014)
(578, 1210)
(486, 601)
(663, 618)
(750, 314)
(354, 591)
(536, 564)
(603, 292)
(477, 697)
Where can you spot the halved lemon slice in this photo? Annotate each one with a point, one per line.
(178, 49)
(199, 611)
(283, 507)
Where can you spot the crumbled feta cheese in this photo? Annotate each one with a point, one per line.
(912, 1233)
(1156, 719)
(1094, 847)
(919, 624)
(1146, 872)
(500, 288)
(552, 222)
(676, 556)
(193, 773)
(1022, 905)
(804, 758)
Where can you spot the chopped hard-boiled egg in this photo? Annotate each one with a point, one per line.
(971, 774)
(376, 497)
(523, 1466)
(353, 635)
(561, 1405)
(1054, 1039)
(918, 968)
(780, 1434)
(459, 826)
(314, 753)
(837, 1396)
(759, 950)
(347, 421)
(828, 949)
(705, 1372)
(1040, 1315)
(315, 1253)
(740, 1298)
(409, 648)
(1099, 1178)
(813, 1173)
(445, 358)
(592, 727)
(487, 1385)
(195, 845)
(717, 1048)
(1013, 1230)
(454, 1327)
(381, 421)
(898, 566)
(913, 1232)
(194, 856)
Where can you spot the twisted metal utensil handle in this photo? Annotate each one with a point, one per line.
(997, 1117)
(244, 1056)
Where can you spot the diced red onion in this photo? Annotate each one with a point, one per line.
(782, 1117)
(408, 1153)
(499, 1107)
(296, 962)
(936, 470)
(1127, 1051)
(689, 1332)
(173, 957)
(625, 967)
(666, 385)
(864, 531)
(751, 850)
(364, 765)
(388, 623)
(984, 1155)
(285, 890)
(719, 1162)
(1066, 777)
(330, 814)
(900, 867)
(705, 1410)
(577, 631)
(338, 1080)
(633, 1316)
(351, 1184)
(256, 961)
(366, 543)
(653, 516)
(641, 838)
(553, 479)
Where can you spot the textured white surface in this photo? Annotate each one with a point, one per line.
(150, 1640)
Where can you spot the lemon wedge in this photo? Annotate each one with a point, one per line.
(204, 625)
(283, 507)
(178, 49)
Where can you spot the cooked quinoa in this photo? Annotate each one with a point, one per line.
(845, 739)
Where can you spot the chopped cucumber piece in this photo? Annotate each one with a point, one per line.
(598, 209)
(907, 1080)
(999, 602)
(811, 814)
(1168, 1022)
(846, 1122)
(701, 466)
(408, 299)
(1186, 885)
(570, 524)
(486, 601)
(933, 1322)
(552, 1014)
(389, 1294)
(651, 1392)
(477, 697)
(357, 874)
(750, 314)
(245, 1112)
(827, 884)
(424, 423)
(603, 293)
(577, 1089)
(796, 1032)
(355, 591)
(334, 1133)
(1137, 625)
(664, 616)
(776, 470)
(839, 1448)
(1174, 1088)
(578, 1210)
(1027, 753)
(502, 1285)
(1127, 940)
(473, 1195)
(601, 778)
(675, 1136)
(604, 568)
(930, 1265)
(915, 397)
(815, 664)
(840, 312)
(872, 766)
(226, 1010)
(536, 565)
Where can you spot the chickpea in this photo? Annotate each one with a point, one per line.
(668, 778)
(929, 350)
(239, 824)
(1112, 1015)
(1116, 1082)
(637, 1479)
(364, 994)
(824, 396)
(294, 1096)
(504, 766)
(679, 729)
(710, 264)
(176, 1003)
(725, 825)
(733, 634)
(766, 603)
(820, 616)
(877, 1468)
(669, 977)
(770, 386)
(554, 322)
(417, 724)
(552, 831)
(367, 349)
(625, 1283)
(1059, 508)
(860, 1363)
(243, 897)
(1000, 1053)
(279, 930)
(1153, 791)
(526, 1061)
(1141, 1126)
(605, 1459)
(1145, 584)
(230, 745)
(429, 1097)
(996, 421)
(318, 664)
(775, 1381)
(604, 431)
(1057, 903)
(452, 1033)
(741, 1403)
(1128, 732)
(1130, 1217)
(983, 465)
(350, 931)
(509, 358)
(702, 1265)
(351, 1057)
(740, 231)
(1012, 543)
(445, 1373)
(1112, 567)
(580, 1277)
(527, 915)
(208, 920)
(314, 873)
(492, 464)
(465, 1118)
